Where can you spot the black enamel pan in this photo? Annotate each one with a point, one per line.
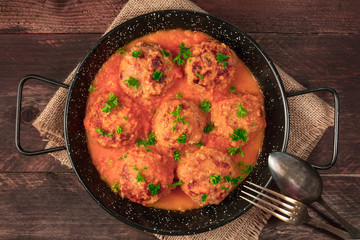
(163, 221)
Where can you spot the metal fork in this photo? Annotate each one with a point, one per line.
(286, 209)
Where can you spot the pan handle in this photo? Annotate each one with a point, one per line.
(336, 121)
(18, 116)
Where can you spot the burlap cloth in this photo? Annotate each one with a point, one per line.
(309, 118)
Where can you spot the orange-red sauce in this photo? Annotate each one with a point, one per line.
(106, 159)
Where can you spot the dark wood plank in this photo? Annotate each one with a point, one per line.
(286, 16)
(43, 206)
(341, 193)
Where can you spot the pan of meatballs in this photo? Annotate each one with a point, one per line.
(168, 114)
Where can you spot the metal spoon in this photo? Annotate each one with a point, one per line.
(298, 179)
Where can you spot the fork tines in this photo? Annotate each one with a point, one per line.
(273, 202)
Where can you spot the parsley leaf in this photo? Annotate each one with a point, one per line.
(126, 118)
(224, 188)
(136, 54)
(239, 134)
(140, 178)
(166, 54)
(248, 169)
(92, 88)
(184, 53)
(209, 128)
(220, 58)
(200, 76)
(241, 111)
(234, 151)
(234, 181)
(178, 117)
(182, 138)
(233, 89)
(177, 156)
(154, 189)
(103, 133)
(176, 184)
(179, 95)
(200, 144)
(110, 104)
(151, 140)
(124, 156)
(132, 82)
(215, 179)
(116, 187)
(119, 129)
(203, 197)
(207, 59)
(121, 51)
(157, 75)
(205, 106)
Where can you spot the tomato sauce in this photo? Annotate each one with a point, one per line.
(107, 160)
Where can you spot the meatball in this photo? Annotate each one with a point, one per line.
(177, 122)
(212, 66)
(242, 112)
(145, 71)
(113, 121)
(207, 176)
(145, 177)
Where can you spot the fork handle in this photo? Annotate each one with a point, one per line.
(354, 232)
(316, 223)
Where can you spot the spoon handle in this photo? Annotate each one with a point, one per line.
(338, 232)
(354, 232)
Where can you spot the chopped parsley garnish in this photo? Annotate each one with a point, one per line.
(124, 156)
(239, 134)
(103, 133)
(182, 138)
(103, 178)
(132, 82)
(140, 178)
(126, 118)
(110, 104)
(220, 58)
(151, 140)
(166, 54)
(234, 151)
(119, 129)
(224, 188)
(203, 197)
(177, 156)
(184, 53)
(215, 179)
(207, 59)
(209, 128)
(176, 184)
(121, 51)
(179, 95)
(205, 106)
(116, 187)
(200, 144)
(248, 169)
(136, 54)
(233, 89)
(200, 76)
(234, 181)
(92, 88)
(154, 189)
(178, 117)
(241, 111)
(157, 75)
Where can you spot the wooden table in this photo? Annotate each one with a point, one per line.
(315, 41)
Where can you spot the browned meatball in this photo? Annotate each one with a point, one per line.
(177, 122)
(207, 176)
(145, 177)
(212, 66)
(112, 120)
(145, 71)
(238, 112)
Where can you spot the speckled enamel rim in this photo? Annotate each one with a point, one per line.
(156, 220)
